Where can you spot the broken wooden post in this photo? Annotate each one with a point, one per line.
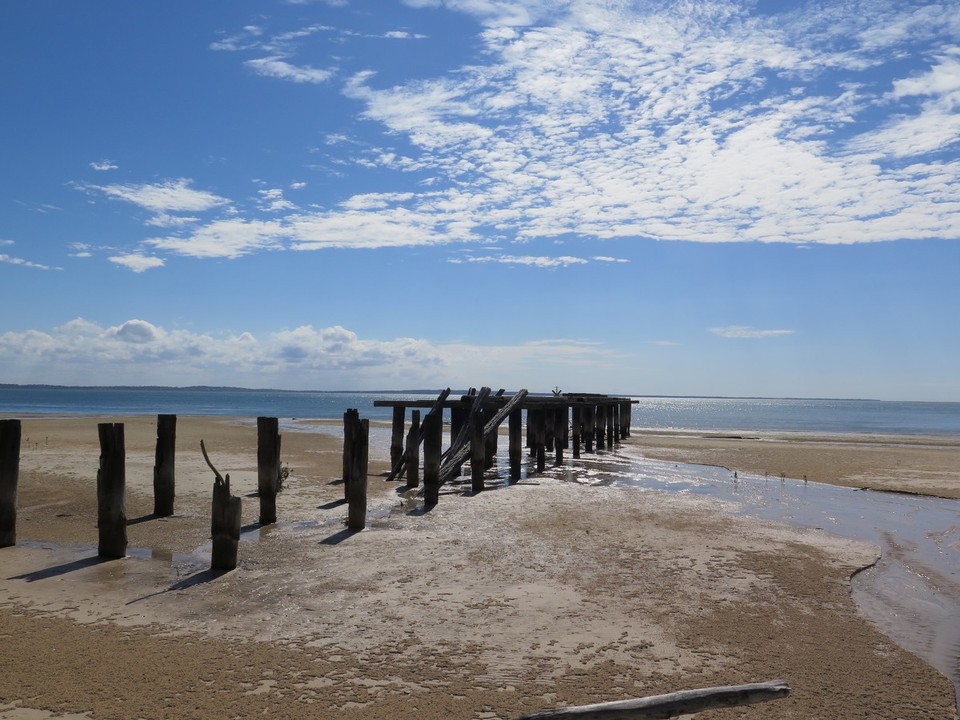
(413, 451)
(225, 514)
(515, 434)
(396, 435)
(357, 486)
(351, 422)
(684, 702)
(164, 480)
(9, 477)
(477, 453)
(432, 449)
(268, 467)
(111, 492)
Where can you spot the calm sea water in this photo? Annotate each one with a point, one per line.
(702, 414)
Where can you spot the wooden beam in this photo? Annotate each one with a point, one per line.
(164, 466)
(111, 492)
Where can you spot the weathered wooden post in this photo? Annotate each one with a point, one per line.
(357, 487)
(111, 492)
(589, 418)
(351, 423)
(396, 435)
(610, 425)
(268, 467)
(577, 429)
(478, 453)
(559, 432)
(432, 450)
(164, 475)
(548, 418)
(600, 426)
(625, 417)
(515, 433)
(539, 439)
(9, 477)
(413, 451)
(225, 514)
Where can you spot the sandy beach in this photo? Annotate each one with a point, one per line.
(525, 597)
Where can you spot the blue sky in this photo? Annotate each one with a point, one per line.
(699, 198)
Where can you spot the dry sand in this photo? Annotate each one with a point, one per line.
(488, 606)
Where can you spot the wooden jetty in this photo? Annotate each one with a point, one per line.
(580, 422)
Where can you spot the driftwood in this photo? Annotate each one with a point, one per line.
(670, 705)
(224, 520)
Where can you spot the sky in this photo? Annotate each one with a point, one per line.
(657, 197)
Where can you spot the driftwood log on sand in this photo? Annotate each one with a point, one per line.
(671, 704)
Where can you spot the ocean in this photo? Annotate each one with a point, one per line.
(706, 414)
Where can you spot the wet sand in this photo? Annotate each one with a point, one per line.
(921, 464)
(541, 594)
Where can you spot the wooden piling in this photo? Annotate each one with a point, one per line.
(111, 492)
(268, 467)
(357, 486)
(164, 467)
(539, 439)
(224, 526)
(351, 422)
(477, 453)
(432, 450)
(413, 451)
(559, 441)
(9, 478)
(396, 435)
(589, 420)
(577, 429)
(600, 426)
(515, 434)
(611, 409)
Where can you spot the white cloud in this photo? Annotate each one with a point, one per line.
(10, 260)
(164, 197)
(230, 238)
(528, 260)
(745, 332)
(305, 356)
(276, 67)
(137, 262)
(104, 165)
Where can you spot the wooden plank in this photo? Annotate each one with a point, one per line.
(672, 704)
(455, 458)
